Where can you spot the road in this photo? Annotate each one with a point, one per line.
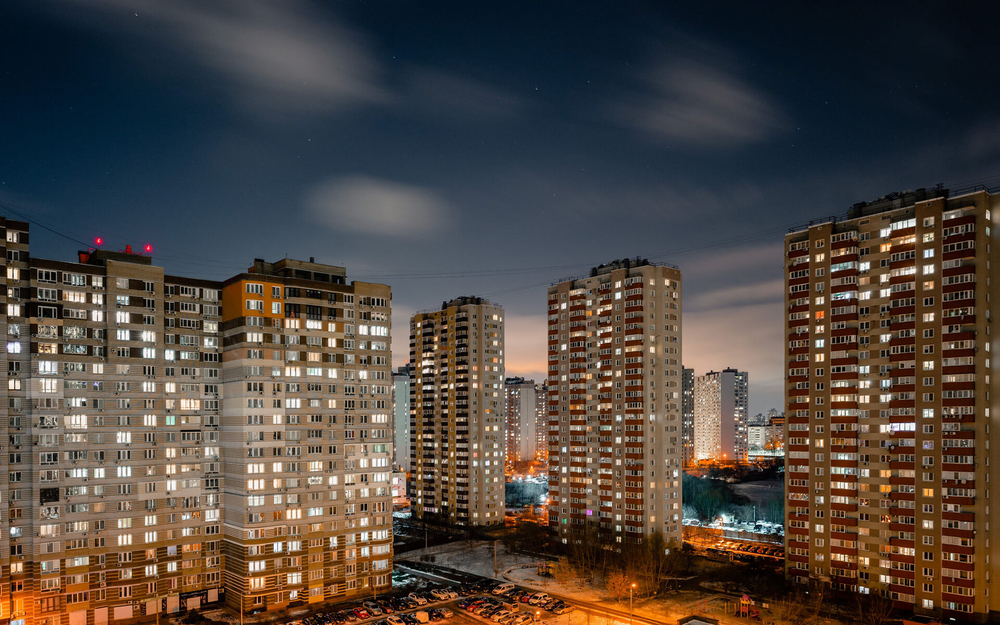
(610, 615)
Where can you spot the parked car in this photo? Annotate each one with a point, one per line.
(372, 608)
(395, 620)
(361, 613)
(502, 589)
(417, 598)
(564, 608)
(350, 615)
(445, 612)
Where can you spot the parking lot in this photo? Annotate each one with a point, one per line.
(471, 602)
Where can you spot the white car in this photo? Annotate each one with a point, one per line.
(499, 615)
(395, 620)
(415, 597)
(439, 594)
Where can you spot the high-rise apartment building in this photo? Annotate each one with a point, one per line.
(401, 418)
(520, 417)
(615, 402)
(687, 417)
(542, 423)
(172, 442)
(305, 434)
(889, 396)
(720, 416)
(457, 412)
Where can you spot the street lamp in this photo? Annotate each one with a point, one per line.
(537, 614)
(630, 591)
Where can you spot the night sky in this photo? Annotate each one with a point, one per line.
(491, 148)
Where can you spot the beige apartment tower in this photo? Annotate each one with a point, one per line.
(720, 416)
(457, 412)
(615, 403)
(520, 417)
(890, 401)
(167, 449)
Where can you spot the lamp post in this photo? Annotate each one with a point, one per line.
(630, 591)
(537, 614)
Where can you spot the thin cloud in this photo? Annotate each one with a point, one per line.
(743, 259)
(737, 296)
(714, 339)
(525, 347)
(374, 206)
(274, 57)
(439, 93)
(697, 104)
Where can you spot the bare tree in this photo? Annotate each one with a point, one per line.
(618, 585)
(792, 609)
(563, 572)
(873, 609)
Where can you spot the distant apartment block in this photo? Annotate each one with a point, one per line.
(720, 416)
(766, 432)
(542, 423)
(401, 418)
(889, 394)
(521, 402)
(687, 416)
(175, 441)
(456, 412)
(615, 403)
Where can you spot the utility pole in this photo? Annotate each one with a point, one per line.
(496, 572)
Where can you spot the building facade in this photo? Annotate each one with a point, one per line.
(889, 401)
(687, 417)
(521, 404)
(766, 436)
(615, 403)
(131, 474)
(542, 423)
(720, 416)
(457, 412)
(401, 418)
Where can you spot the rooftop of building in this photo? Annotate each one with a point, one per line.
(291, 268)
(517, 380)
(894, 201)
(462, 300)
(616, 265)
(727, 370)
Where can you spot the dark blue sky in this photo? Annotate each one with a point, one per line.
(456, 148)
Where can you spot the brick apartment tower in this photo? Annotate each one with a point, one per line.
(890, 397)
(615, 402)
(457, 412)
(131, 471)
